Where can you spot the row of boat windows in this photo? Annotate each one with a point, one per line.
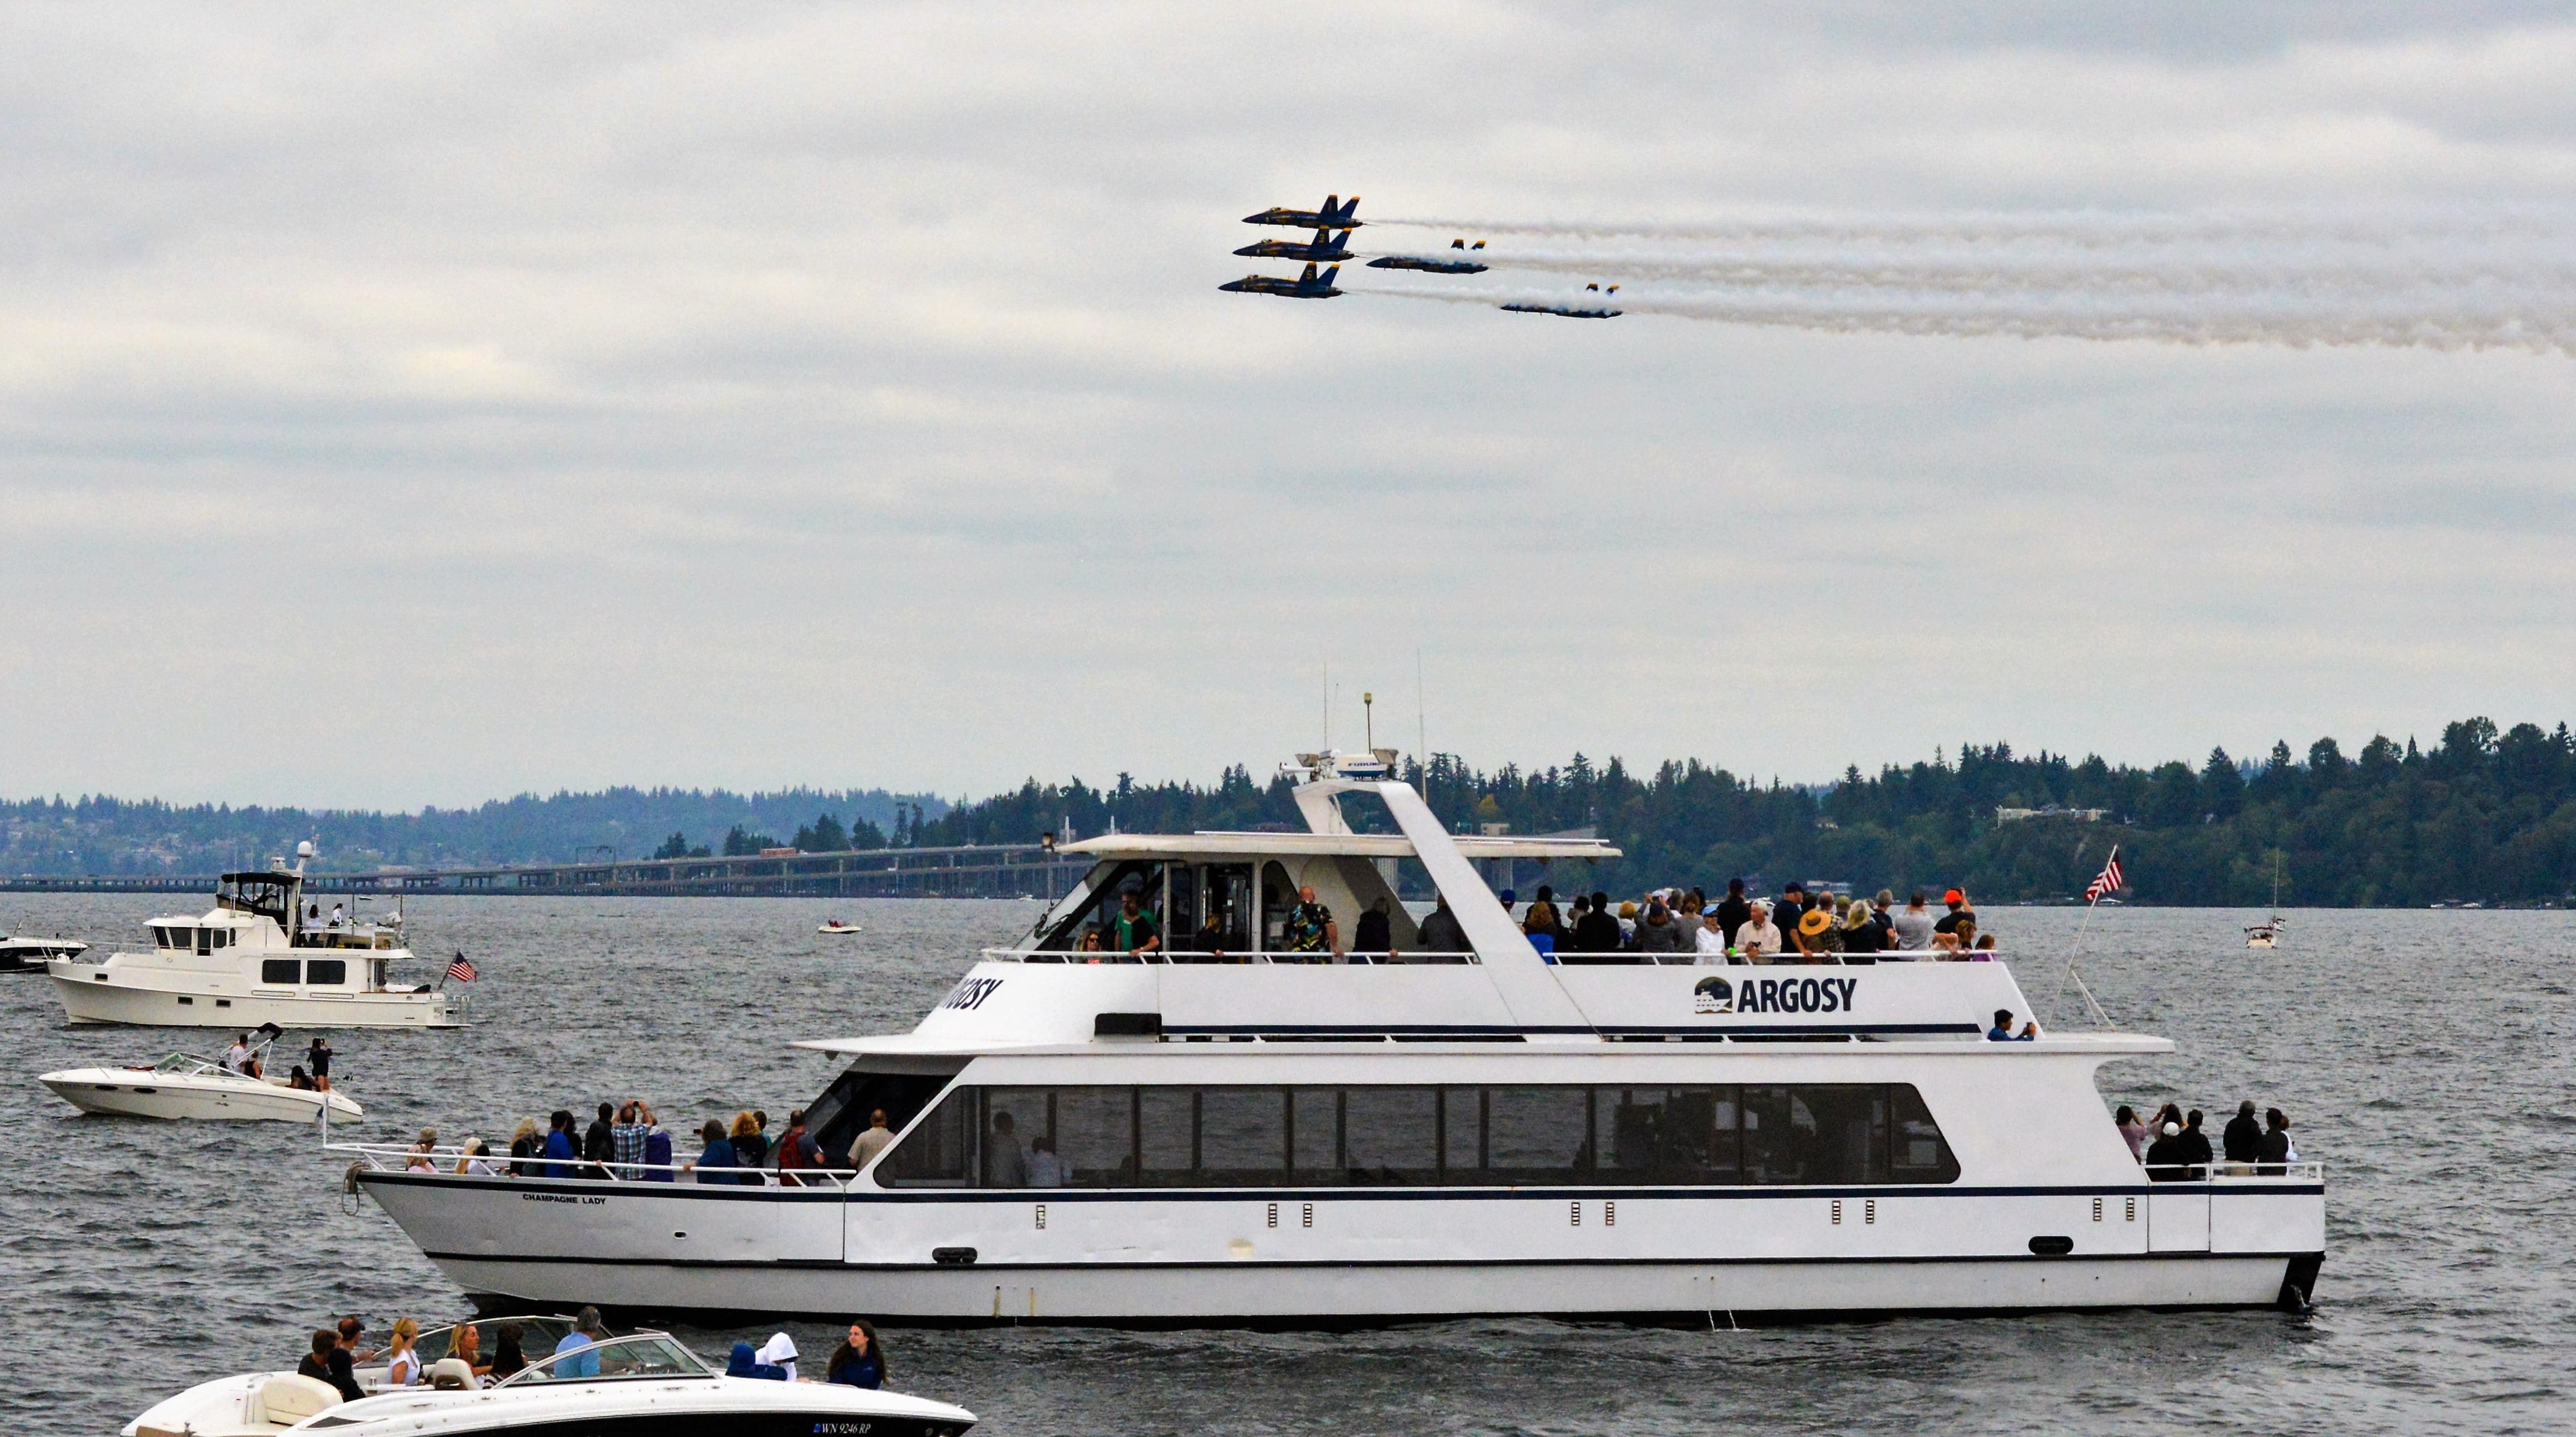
(311, 972)
(203, 940)
(1121, 1137)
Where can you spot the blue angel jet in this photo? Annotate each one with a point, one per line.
(1326, 247)
(1306, 286)
(1436, 264)
(1336, 214)
(1428, 262)
(1573, 311)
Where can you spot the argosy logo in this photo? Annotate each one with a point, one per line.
(1773, 995)
(972, 993)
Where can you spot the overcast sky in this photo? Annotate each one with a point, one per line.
(406, 405)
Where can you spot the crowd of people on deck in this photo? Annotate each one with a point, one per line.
(2174, 1147)
(626, 1142)
(1665, 925)
(859, 1361)
(1684, 925)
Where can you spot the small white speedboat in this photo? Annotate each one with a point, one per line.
(641, 1385)
(837, 926)
(180, 1086)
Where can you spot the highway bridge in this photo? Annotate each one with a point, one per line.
(971, 871)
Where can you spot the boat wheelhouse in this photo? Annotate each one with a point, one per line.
(1210, 1135)
(254, 958)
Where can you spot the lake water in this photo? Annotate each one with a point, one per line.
(2423, 1057)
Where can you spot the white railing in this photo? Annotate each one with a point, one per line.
(1615, 958)
(1079, 956)
(2223, 1171)
(448, 1161)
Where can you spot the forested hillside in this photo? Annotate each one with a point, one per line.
(2486, 815)
(108, 835)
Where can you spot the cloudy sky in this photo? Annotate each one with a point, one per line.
(405, 406)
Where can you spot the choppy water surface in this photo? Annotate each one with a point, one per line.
(2422, 1056)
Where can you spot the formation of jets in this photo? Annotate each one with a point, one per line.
(1332, 223)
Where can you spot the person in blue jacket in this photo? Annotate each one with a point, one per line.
(746, 1363)
(857, 1362)
(2002, 1031)
(560, 1144)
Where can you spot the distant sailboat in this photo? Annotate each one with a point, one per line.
(2267, 934)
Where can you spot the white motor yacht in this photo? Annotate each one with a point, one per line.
(1206, 1126)
(182, 1086)
(254, 958)
(30, 955)
(641, 1385)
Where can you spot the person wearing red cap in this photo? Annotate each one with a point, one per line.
(1959, 913)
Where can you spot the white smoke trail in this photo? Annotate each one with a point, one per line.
(2171, 319)
(2081, 227)
(2453, 279)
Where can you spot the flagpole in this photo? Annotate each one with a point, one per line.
(2076, 953)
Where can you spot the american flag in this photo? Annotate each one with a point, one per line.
(461, 968)
(2108, 880)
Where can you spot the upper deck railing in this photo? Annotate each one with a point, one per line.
(454, 1162)
(1616, 958)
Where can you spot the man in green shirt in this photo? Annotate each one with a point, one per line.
(1132, 931)
(1311, 929)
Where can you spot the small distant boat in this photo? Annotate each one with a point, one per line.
(30, 955)
(184, 1086)
(2267, 934)
(837, 926)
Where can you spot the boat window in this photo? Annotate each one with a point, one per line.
(1233, 1137)
(838, 1117)
(1015, 1120)
(1243, 1137)
(940, 1151)
(164, 936)
(1212, 908)
(327, 972)
(1095, 1135)
(1667, 1135)
(642, 1355)
(1166, 1135)
(1391, 1135)
(1102, 904)
(1921, 1154)
(279, 970)
(1278, 895)
(1315, 1134)
(1537, 1135)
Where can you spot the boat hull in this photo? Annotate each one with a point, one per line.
(129, 1093)
(1363, 1294)
(1338, 1257)
(155, 1000)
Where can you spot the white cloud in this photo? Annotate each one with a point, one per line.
(633, 394)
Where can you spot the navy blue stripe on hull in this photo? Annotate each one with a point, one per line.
(542, 1189)
(824, 1264)
(741, 1424)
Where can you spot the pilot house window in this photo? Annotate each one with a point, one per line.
(282, 971)
(327, 972)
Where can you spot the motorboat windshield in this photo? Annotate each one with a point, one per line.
(644, 1354)
(189, 1065)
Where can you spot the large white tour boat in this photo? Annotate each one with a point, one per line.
(1234, 1133)
(257, 957)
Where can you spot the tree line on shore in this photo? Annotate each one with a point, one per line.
(2488, 815)
(99, 834)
